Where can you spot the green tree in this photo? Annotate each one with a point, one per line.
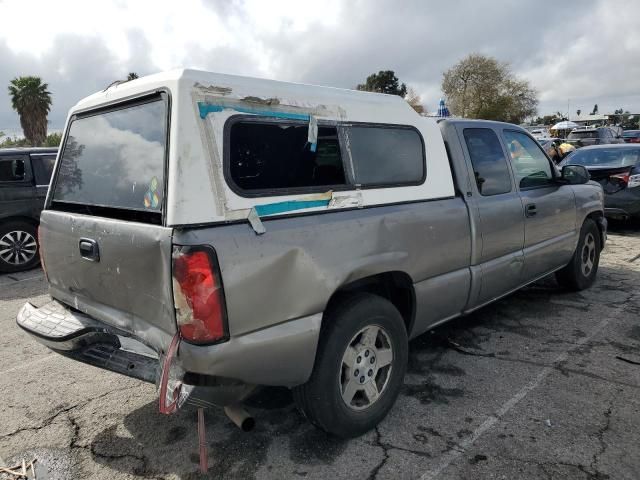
(481, 87)
(31, 99)
(132, 76)
(595, 109)
(385, 81)
(52, 140)
(9, 142)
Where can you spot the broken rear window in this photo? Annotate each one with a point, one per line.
(272, 155)
(115, 159)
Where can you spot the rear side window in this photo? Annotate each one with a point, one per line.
(489, 163)
(43, 168)
(115, 159)
(275, 155)
(386, 155)
(12, 169)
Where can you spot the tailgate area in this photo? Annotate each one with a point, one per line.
(127, 286)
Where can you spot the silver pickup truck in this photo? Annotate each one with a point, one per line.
(213, 233)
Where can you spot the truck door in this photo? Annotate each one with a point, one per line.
(550, 211)
(498, 257)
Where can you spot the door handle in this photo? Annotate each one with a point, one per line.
(531, 210)
(89, 249)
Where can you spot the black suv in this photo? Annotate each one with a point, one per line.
(24, 180)
(584, 137)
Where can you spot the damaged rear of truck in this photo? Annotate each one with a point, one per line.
(211, 233)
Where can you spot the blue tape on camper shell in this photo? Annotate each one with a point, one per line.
(207, 108)
(282, 207)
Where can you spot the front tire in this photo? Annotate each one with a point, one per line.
(18, 246)
(359, 368)
(581, 271)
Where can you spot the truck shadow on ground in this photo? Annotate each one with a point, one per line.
(160, 445)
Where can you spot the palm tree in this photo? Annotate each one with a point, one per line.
(132, 76)
(31, 99)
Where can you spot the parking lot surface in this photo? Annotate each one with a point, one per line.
(542, 384)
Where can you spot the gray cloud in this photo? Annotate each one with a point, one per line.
(74, 67)
(582, 50)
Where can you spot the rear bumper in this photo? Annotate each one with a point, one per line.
(282, 355)
(84, 339)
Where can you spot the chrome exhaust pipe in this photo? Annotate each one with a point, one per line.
(238, 415)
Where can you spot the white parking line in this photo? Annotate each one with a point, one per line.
(452, 455)
(48, 356)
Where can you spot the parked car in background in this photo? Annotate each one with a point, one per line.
(539, 133)
(631, 136)
(24, 179)
(617, 169)
(583, 137)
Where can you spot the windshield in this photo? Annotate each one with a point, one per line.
(581, 135)
(115, 159)
(631, 134)
(604, 157)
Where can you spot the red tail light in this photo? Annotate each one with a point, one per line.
(198, 295)
(622, 178)
(626, 179)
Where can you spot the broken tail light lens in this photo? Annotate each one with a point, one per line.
(198, 295)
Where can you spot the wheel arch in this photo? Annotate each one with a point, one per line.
(394, 286)
(601, 222)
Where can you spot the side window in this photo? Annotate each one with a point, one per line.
(276, 155)
(12, 169)
(531, 165)
(43, 168)
(489, 163)
(386, 155)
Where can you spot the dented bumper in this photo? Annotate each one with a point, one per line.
(282, 355)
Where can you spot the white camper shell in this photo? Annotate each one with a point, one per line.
(201, 104)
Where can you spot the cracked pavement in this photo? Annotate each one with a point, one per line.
(542, 384)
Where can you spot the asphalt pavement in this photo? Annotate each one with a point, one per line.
(542, 384)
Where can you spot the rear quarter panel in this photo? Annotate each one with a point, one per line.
(293, 269)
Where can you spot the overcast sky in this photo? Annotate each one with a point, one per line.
(581, 51)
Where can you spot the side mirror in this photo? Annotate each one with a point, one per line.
(575, 174)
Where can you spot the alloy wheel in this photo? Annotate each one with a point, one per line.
(18, 247)
(588, 254)
(366, 367)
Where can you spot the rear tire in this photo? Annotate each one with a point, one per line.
(581, 271)
(19, 249)
(359, 368)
